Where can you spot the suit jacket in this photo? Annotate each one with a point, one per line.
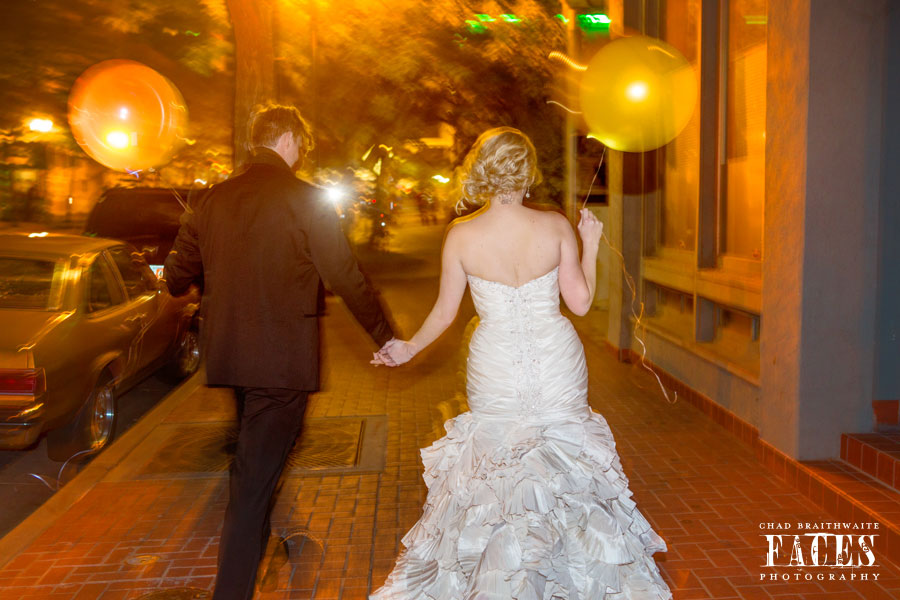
(261, 241)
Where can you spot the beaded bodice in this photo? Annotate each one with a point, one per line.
(524, 358)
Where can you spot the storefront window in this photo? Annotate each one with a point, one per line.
(680, 159)
(741, 220)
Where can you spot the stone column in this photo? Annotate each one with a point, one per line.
(823, 114)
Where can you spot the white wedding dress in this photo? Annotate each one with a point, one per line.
(527, 499)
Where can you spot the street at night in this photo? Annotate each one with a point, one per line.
(149, 523)
(459, 300)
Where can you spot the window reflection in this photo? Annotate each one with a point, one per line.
(745, 129)
(680, 159)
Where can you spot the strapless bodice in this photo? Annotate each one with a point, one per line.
(498, 303)
(525, 359)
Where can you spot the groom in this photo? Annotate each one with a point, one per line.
(261, 241)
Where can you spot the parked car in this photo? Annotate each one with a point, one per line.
(147, 218)
(81, 320)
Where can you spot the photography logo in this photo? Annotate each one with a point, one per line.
(819, 551)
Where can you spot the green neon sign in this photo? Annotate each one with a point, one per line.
(475, 27)
(594, 22)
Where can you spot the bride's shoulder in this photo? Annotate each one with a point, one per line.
(461, 226)
(551, 219)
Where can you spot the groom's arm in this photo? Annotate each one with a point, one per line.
(183, 265)
(334, 261)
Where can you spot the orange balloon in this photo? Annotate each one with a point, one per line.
(638, 93)
(126, 115)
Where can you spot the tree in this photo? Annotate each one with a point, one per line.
(254, 65)
(384, 73)
(45, 46)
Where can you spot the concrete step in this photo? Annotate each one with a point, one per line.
(876, 454)
(853, 496)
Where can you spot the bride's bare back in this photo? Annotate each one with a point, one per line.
(511, 245)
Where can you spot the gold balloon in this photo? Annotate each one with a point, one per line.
(126, 116)
(638, 93)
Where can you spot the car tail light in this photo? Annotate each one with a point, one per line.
(21, 382)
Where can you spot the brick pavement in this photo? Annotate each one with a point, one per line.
(701, 488)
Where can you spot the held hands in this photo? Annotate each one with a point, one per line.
(589, 228)
(394, 353)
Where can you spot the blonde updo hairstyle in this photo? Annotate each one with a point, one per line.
(502, 160)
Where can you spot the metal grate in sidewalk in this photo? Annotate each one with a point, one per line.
(327, 445)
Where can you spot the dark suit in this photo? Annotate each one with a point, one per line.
(261, 241)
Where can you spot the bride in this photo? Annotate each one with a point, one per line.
(527, 498)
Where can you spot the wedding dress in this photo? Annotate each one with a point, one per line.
(527, 499)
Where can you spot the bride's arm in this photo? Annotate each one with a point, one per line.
(578, 278)
(452, 287)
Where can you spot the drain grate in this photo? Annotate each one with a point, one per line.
(328, 444)
(333, 443)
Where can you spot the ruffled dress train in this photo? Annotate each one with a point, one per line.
(527, 498)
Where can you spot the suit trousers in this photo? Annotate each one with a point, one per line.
(269, 421)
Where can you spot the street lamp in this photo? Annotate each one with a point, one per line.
(41, 125)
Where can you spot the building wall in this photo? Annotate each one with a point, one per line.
(831, 138)
(887, 330)
(844, 143)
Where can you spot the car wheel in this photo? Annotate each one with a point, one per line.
(93, 428)
(187, 355)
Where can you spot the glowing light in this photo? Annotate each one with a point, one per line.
(123, 113)
(564, 107)
(193, 33)
(334, 193)
(597, 19)
(568, 61)
(485, 18)
(38, 235)
(594, 23)
(382, 223)
(637, 91)
(200, 181)
(563, 18)
(511, 18)
(42, 125)
(70, 200)
(117, 139)
(441, 178)
(476, 27)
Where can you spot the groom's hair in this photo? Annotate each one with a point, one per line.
(269, 121)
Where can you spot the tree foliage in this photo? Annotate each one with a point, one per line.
(365, 72)
(372, 73)
(46, 45)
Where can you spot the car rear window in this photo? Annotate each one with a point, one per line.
(147, 218)
(31, 283)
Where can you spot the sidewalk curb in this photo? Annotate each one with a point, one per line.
(17, 540)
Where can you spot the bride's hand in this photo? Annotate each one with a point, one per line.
(382, 357)
(398, 352)
(589, 228)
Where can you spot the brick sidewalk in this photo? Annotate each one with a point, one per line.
(148, 526)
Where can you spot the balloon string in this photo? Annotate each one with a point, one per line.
(594, 178)
(629, 280)
(175, 192)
